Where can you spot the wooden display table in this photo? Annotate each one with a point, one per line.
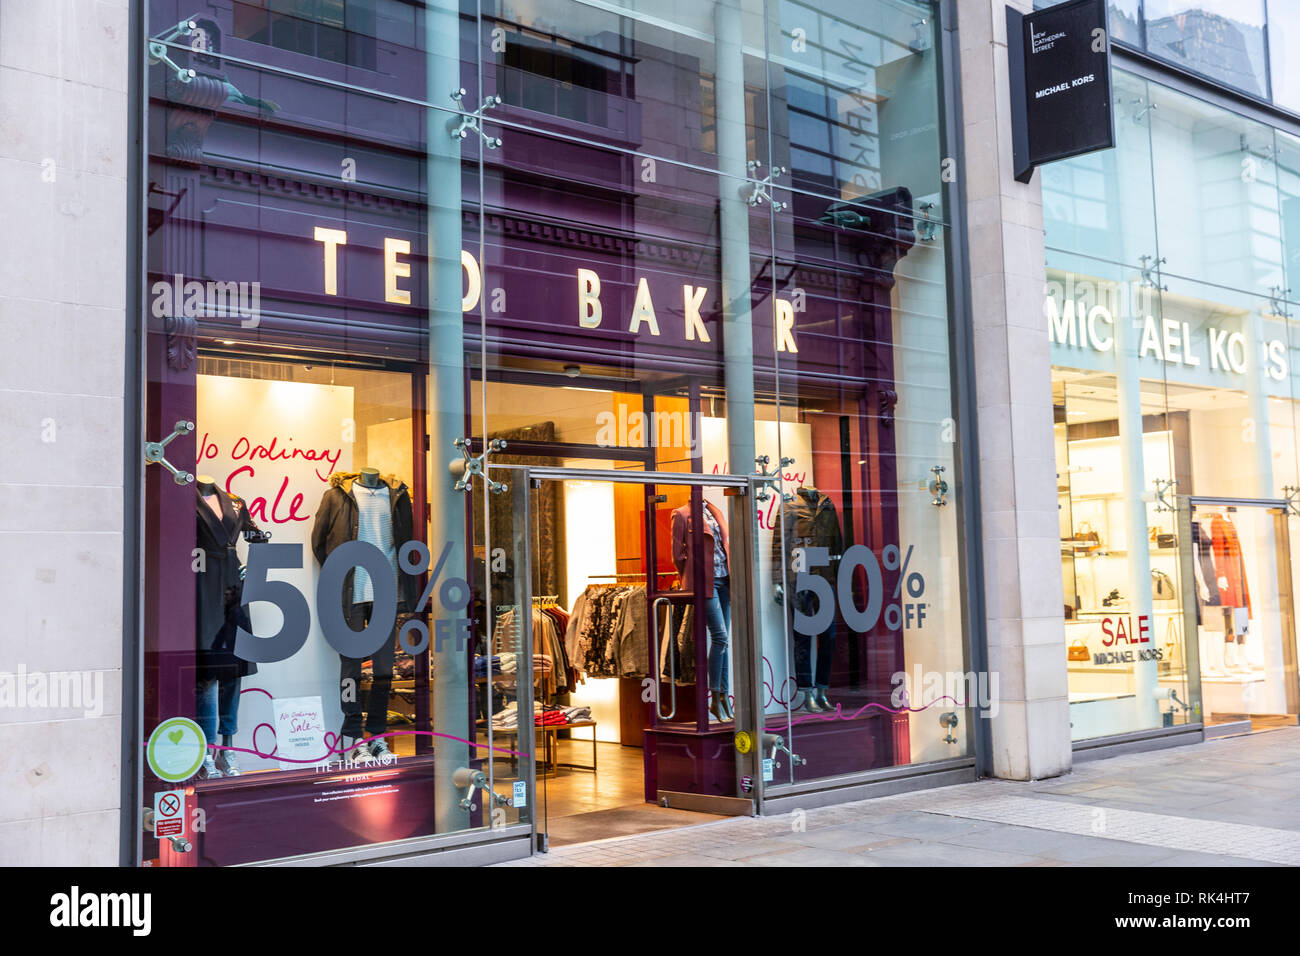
(548, 736)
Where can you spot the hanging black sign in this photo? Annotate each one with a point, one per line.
(1059, 61)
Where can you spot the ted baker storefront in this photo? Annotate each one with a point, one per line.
(553, 417)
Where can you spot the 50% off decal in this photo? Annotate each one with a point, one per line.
(453, 595)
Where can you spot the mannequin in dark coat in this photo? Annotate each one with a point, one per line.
(219, 611)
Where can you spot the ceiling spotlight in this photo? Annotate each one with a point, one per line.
(573, 371)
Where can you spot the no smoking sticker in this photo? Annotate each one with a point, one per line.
(169, 813)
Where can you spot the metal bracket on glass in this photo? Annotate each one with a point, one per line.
(158, 48)
(460, 128)
(1140, 114)
(155, 452)
(949, 722)
(1291, 492)
(464, 469)
(926, 227)
(755, 191)
(774, 479)
(1148, 272)
(1277, 301)
(472, 780)
(776, 743)
(938, 487)
(179, 843)
(921, 41)
(1163, 488)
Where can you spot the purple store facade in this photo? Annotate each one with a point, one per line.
(579, 365)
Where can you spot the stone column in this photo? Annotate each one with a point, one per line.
(1017, 461)
(64, 167)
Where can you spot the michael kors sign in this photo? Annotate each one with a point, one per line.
(1059, 66)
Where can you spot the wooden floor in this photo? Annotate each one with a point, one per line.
(581, 806)
(1258, 722)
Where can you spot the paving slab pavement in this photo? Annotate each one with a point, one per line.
(1232, 801)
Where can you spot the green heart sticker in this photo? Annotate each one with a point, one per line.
(176, 749)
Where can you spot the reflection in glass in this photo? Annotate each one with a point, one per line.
(1221, 39)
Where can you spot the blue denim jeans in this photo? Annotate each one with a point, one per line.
(717, 620)
(803, 669)
(215, 697)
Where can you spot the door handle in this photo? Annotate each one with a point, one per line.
(672, 661)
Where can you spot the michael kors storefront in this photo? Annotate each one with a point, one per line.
(1174, 385)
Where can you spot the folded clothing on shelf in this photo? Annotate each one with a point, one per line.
(550, 715)
(482, 664)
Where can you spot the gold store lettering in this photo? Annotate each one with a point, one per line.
(641, 321)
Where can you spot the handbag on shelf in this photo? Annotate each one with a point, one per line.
(1086, 540)
(1078, 650)
(1162, 587)
(1173, 659)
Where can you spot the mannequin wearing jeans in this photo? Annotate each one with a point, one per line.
(374, 724)
(808, 521)
(365, 506)
(717, 587)
(222, 519)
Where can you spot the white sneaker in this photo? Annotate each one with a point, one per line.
(209, 769)
(230, 763)
(380, 752)
(360, 754)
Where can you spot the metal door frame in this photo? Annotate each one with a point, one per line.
(744, 633)
(1280, 508)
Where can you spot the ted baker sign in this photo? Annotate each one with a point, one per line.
(642, 319)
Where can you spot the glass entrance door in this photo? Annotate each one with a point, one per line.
(620, 633)
(1238, 563)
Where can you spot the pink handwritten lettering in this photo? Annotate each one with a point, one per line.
(258, 506)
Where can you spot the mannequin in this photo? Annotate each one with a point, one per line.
(219, 613)
(1233, 591)
(809, 521)
(1208, 611)
(716, 604)
(365, 506)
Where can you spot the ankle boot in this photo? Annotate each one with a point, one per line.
(716, 705)
(822, 700)
(810, 702)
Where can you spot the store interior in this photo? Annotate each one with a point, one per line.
(593, 557)
(1241, 625)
